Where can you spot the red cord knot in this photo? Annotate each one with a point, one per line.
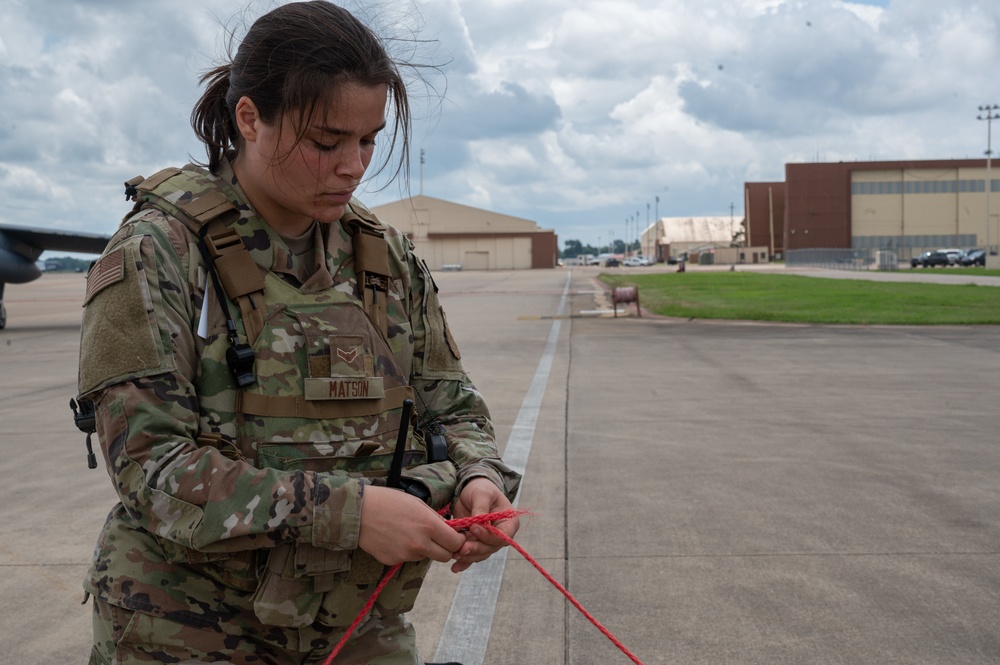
(460, 523)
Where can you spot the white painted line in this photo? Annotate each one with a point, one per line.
(466, 633)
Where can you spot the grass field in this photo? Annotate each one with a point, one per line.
(769, 297)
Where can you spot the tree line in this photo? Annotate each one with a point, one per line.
(573, 248)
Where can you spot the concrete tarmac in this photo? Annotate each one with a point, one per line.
(712, 492)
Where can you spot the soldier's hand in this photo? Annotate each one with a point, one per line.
(478, 497)
(397, 527)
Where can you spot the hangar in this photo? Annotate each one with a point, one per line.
(454, 236)
(904, 206)
(671, 237)
(700, 239)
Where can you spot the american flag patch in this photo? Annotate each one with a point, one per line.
(109, 270)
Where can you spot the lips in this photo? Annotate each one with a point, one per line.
(338, 197)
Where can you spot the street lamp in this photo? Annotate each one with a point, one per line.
(732, 236)
(656, 221)
(989, 114)
(653, 236)
(637, 221)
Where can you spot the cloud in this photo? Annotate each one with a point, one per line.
(574, 113)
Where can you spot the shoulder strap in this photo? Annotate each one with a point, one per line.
(187, 194)
(371, 260)
(239, 275)
(193, 196)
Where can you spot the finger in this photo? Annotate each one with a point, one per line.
(480, 550)
(482, 504)
(440, 554)
(497, 533)
(448, 539)
(510, 527)
(469, 552)
(487, 537)
(477, 555)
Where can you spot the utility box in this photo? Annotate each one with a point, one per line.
(886, 260)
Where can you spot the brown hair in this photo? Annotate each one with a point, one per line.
(292, 60)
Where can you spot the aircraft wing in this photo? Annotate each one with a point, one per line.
(51, 239)
(20, 247)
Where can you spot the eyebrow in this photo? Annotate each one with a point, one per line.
(343, 132)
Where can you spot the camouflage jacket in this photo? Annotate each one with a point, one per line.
(195, 473)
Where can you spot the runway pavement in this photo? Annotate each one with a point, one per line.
(713, 492)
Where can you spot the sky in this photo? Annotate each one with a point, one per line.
(589, 117)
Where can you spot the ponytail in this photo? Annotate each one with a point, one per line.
(212, 117)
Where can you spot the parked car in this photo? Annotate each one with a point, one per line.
(918, 260)
(954, 255)
(636, 261)
(611, 262)
(931, 259)
(973, 257)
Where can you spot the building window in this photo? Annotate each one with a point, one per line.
(894, 187)
(919, 242)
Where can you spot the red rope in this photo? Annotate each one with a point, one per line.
(576, 603)
(487, 521)
(362, 614)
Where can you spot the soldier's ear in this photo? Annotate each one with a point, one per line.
(247, 119)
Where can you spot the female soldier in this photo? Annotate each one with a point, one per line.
(252, 339)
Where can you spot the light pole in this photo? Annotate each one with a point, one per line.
(637, 220)
(732, 237)
(989, 114)
(656, 222)
(631, 232)
(421, 172)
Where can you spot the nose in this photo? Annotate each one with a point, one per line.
(352, 163)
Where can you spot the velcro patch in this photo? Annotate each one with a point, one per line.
(110, 269)
(452, 344)
(371, 387)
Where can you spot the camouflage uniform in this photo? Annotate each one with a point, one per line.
(236, 539)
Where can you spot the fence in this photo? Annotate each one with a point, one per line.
(843, 259)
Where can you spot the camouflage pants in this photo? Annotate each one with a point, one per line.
(124, 637)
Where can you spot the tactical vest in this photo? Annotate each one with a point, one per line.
(325, 396)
